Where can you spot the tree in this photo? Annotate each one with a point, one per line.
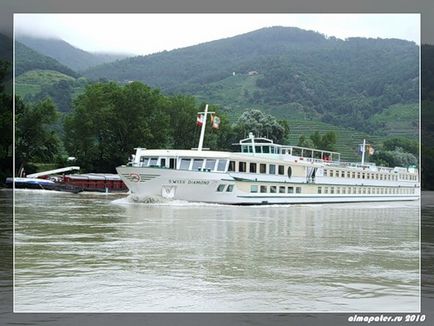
(36, 140)
(110, 120)
(326, 142)
(397, 157)
(261, 124)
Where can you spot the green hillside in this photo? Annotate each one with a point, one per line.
(27, 59)
(288, 72)
(347, 139)
(32, 82)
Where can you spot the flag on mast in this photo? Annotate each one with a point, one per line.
(215, 121)
(199, 121)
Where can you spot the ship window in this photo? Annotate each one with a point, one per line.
(266, 149)
(244, 149)
(230, 188)
(231, 165)
(221, 165)
(319, 190)
(254, 188)
(331, 173)
(273, 189)
(348, 174)
(281, 170)
(364, 190)
(163, 162)
(363, 175)
(185, 164)
(290, 190)
(344, 190)
(298, 190)
(241, 166)
(281, 189)
(332, 190)
(172, 163)
(272, 149)
(367, 176)
(353, 175)
(272, 169)
(263, 168)
(289, 172)
(326, 190)
(369, 191)
(252, 167)
(358, 175)
(343, 174)
(325, 172)
(220, 188)
(258, 149)
(359, 190)
(153, 161)
(263, 189)
(197, 164)
(144, 161)
(210, 164)
(338, 190)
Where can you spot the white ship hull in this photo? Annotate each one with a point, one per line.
(199, 186)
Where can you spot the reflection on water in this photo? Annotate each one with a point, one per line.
(100, 253)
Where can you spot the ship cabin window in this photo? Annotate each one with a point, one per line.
(246, 149)
(290, 190)
(210, 164)
(325, 172)
(231, 167)
(326, 190)
(281, 170)
(298, 190)
(185, 164)
(348, 174)
(353, 175)
(266, 149)
(197, 164)
(344, 190)
(230, 188)
(162, 162)
(338, 190)
(272, 150)
(332, 190)
(220, 188)
(258, 149)
(254, 189)
(381, 177)
(319, 190)
(358, 175)
(172, 163)
(282, 189)
(272, 169)
(263, 189)
(153, 161)
(363, 175)
(342, 174)
(367, 175)
(262, 168)
(331, 173)
(144, 161)
(359, 191)
(283, 151)
(242, 166)
(252, 167)
(221, 165)
(273, 189)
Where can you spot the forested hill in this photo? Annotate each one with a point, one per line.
(70, 56)
(27, 59)
(289, 72)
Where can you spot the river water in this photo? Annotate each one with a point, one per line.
(99, 253)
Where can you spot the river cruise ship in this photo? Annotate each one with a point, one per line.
(263, 172)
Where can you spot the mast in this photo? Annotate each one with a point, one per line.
(202, 130)
(363, 151)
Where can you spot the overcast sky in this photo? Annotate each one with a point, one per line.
(150, 33)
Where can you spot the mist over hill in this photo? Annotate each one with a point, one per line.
(72, 57)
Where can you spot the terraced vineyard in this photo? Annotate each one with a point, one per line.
(347, 140)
